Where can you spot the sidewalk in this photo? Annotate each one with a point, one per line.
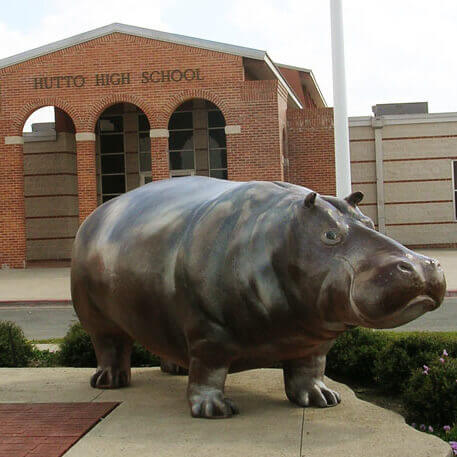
(153, 419)
(53, 284)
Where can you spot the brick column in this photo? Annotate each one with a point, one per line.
(12, 208)
(234, 148)
(159, 154)
(87, 180)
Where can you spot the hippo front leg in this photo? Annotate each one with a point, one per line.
(205, 391)
(304, 382)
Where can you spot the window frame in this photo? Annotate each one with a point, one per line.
(139, 132)
(100, 133)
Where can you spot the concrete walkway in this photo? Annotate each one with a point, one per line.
(53, 284)
(154, 420)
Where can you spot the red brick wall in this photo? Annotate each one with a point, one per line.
(257, 106)
(311, 149)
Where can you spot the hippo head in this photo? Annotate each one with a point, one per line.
(359, 276)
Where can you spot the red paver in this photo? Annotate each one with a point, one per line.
(46, 429)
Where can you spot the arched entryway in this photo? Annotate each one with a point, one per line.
(197, 142)
(123, 150)
(50, 185)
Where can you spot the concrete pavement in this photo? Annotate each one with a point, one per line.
(153, 419)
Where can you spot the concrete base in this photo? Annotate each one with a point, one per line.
(154, 420)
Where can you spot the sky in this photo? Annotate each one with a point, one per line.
(396, 50)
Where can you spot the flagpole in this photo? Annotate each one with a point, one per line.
(342, 156)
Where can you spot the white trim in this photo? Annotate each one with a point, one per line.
(180, 173)
(159, 133)
(232, 129)
(400, 119)
(85, 136)
(14, 140)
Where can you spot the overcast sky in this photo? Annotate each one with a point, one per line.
(396, 50)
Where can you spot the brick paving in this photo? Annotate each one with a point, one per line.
(46, 429)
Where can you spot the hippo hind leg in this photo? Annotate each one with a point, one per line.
(169, 367)
(112, 345)
(113, 360)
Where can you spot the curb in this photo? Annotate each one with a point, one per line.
(37, 303)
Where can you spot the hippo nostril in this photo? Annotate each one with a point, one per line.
(405, 267)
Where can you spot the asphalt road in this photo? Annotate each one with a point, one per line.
(42, 322)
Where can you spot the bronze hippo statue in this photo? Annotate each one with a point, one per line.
(219, 276)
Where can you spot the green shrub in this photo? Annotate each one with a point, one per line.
(405, 353)
(431, 394)
(15, 350)
(76, 350)
(354, 353)
(44, 359)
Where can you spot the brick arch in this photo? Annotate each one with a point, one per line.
(33, 105)
(102, 104)
(179, 99)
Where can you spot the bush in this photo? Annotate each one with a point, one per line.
(76, 350)
(44, 359)
(406, 352)
(354, 353)
(431, 394)
(15, 350)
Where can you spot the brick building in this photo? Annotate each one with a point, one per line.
(134, 105)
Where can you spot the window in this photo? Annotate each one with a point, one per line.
(144, 144)
(181, 142)
(112, 156)
(217, 147)
(197, 142)
(454, 182)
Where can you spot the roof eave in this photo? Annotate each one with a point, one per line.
(135, 31)
(283, 81)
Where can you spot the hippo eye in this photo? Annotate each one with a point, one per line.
(331, 237)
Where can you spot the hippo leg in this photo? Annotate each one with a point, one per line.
(169, 367)
(304, 382)
(205, 391)
(113, 360)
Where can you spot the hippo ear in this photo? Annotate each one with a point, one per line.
(310, 199)
(355, 198)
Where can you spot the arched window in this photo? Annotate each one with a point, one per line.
(197, 143)
(123, 150)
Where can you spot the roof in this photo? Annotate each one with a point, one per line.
(311, 75)
(153, 35)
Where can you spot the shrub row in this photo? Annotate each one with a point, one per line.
(76, 350)
(420, 366)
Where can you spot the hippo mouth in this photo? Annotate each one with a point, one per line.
(412, 310)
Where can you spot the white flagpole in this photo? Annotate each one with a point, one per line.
(342, 156)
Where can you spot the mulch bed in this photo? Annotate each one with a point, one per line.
(46, 429)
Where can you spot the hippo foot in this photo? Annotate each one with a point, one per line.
(212, 405)
(172, 368)
(110, 378)
(314, 393)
